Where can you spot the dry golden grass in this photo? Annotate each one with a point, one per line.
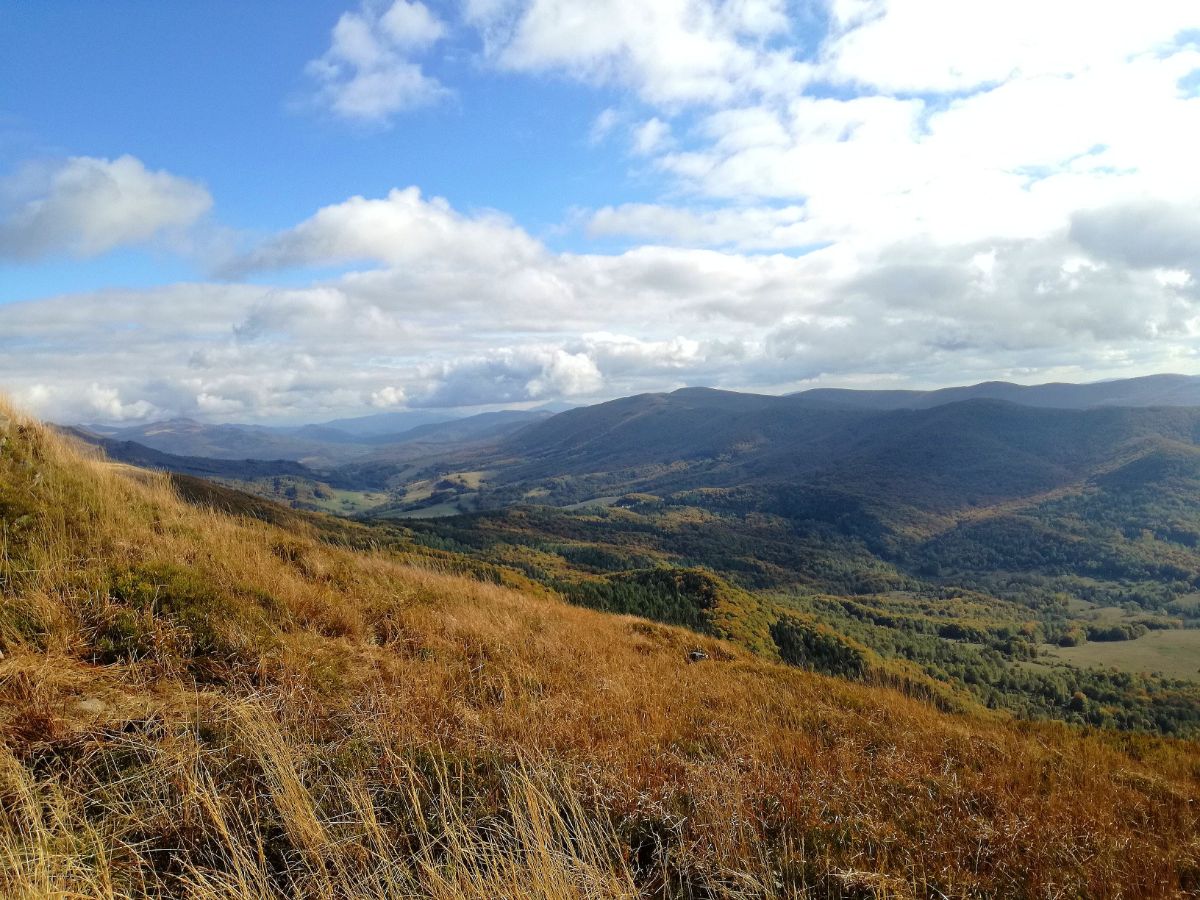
(194, 704)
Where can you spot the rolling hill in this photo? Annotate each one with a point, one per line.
(197, 702)
(646, 417)
(189, 438)
(940, 458)
(136, 454)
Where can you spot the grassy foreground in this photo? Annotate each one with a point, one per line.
(196, 704)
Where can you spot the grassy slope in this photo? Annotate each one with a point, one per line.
(194, 703)
(964, 639)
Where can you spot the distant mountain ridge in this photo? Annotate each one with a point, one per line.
(386, 423)
(322, 446)
(1150, 390)
(187, 437)
(470, 428)
(724, 438)
(341, 441)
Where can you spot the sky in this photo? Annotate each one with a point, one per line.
(287, 212)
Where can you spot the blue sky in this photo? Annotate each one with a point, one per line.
(216, 92)
(292, 211)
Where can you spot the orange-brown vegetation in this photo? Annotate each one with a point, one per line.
(199, 704)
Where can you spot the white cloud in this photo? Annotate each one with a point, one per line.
(606, 120)
(950, 46)
(566, 374)
(401, 229)
(494, 329)
(85, 206)
(367, 74)
(511, 375)
(652, 136)
(1143, 234)
(1012, 196)
(107, 403)
(669, 51)
(624, 355)
(1017, 160)
(388, 396)
(962, 122)
(87, 402)
(411, 24)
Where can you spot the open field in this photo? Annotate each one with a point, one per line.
(348, 503)
(438, 511)
(1175, 653)
(470, 480)
(595, 501)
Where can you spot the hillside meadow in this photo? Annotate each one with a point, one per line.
(196, 703)
(1174, 653)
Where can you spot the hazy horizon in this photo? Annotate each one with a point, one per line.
(450, 413)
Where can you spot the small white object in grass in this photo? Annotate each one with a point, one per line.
(92, 706)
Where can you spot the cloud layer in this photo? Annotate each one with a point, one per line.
(527, 324)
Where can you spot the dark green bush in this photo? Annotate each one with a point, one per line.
(817, 647)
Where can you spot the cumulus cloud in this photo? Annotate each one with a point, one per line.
(402, 229)
(388, 396)
(674, 52)
(939, 313)
(652, 136)
(91, 402)
(512, 375)
(566, 374)
(880, 118)
(86, 206)
(368, 74)
(1015, 160)
(606, 120)
(946, 46)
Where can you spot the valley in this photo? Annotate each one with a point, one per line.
(1011, 554)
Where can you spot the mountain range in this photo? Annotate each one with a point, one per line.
(915, 453)
(330, 443)
(1150, 390)
(934, 458)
